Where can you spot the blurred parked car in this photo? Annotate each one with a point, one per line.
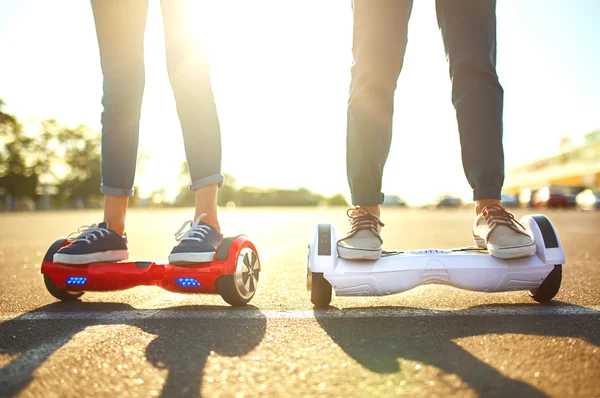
(550, 197)
(526, 198)
(588, 199)
(571, 193)
(393, 200)
(510, 200)
(449, 201)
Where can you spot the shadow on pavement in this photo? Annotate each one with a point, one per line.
(182, 345)
(378, 343)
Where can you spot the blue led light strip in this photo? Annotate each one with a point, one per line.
(76, 280)
(187, 282)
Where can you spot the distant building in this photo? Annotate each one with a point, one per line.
(572, 167)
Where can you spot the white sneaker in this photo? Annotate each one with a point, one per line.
(362, 242)
(496, 230)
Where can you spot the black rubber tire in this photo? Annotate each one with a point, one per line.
(60, 294)
(320, 292)
(549, 287)
(226, 288)
(54, 290)
(49, 256)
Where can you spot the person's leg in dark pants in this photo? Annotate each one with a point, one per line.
(469, 32)
(379, 43)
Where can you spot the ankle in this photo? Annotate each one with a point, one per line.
(206, 203)
(483, 203)
(118, 228)
(115, 211)
(373, 210)
(211, 220)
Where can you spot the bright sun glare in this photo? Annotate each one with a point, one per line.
(258, 79)
(281, 73)
(281, 83)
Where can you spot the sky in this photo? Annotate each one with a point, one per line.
(281, 73)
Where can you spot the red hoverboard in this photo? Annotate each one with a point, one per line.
(233, 274)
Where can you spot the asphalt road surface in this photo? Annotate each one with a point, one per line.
(431, 341)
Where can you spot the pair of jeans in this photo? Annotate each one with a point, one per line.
(120, 27)
(379, 42)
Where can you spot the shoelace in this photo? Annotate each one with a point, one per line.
(196, 232)
(361, 219)
(88, 231)
(497, 215)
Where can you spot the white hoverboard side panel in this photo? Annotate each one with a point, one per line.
(549, 247)
(322, 253)
(469, 270)
(464, 270)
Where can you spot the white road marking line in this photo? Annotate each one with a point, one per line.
(232, 313)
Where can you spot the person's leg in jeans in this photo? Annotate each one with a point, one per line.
(189, 73)
(469, 32)
(379, 43)
(120, 31)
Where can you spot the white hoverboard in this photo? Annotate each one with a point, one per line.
(467, 268)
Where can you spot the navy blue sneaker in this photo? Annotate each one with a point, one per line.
(197, 245)
(94, 244)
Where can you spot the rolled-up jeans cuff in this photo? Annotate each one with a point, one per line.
(218, 179)
(116, 191)
(487, 192)
(368, 200)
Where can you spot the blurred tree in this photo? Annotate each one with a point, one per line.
(185, 197)
(337, 200)
(157, 198)
(17, 175)
(227, 193)
(59, 161)
(80, 149)
(249, 196)
(134, 201)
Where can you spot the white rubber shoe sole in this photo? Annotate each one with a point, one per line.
(349, 253)
(506, 253)
(109, 256)
(204, 257)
